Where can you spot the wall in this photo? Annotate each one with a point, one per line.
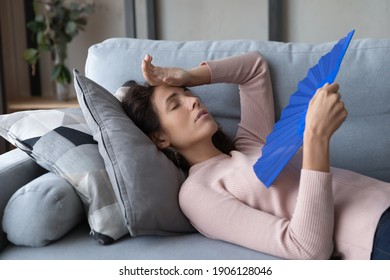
(107, 21)
(305, 21)
(309, 21)
(212, 19)
(176, 20)
(320, 21)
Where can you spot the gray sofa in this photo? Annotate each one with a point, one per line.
(362, 144)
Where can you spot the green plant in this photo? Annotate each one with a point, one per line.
(55, 25)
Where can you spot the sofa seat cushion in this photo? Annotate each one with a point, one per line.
(77, 246)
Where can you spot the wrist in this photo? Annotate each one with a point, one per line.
(316, 152)
(199, 76)
(311, 137)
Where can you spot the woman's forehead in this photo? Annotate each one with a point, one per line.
(162, 93)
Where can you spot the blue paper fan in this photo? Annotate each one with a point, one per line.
(287, 135)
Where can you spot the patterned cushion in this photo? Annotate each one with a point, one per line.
(61, 142)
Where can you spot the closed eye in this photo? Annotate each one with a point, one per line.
(175, 106)
(171, 101)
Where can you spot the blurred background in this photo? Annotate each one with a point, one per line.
(309, 21)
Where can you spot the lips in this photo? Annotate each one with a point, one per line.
(200, 114)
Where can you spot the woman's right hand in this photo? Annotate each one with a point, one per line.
(164, 76)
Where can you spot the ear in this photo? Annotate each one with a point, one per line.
(160, 140)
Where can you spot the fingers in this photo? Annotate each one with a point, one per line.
(147, 65)
(327, 110)
(166, 76)
(334, 97)
(339, 111)
(169, 81)
(334, 87)
(331, 90)
(148, 58)
(148, 69)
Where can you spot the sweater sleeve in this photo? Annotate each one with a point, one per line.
(250, 72)
(307, 235)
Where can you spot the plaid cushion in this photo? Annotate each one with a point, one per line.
(61, 142)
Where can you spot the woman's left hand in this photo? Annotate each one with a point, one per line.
(326, 112)
(324, 116)
(163, 76)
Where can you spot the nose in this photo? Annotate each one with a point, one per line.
(194, 102)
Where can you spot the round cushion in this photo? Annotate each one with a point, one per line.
(42, 211)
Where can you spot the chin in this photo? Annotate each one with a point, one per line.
(210, 128)
(216, 127)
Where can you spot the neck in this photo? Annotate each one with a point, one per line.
(200, 153)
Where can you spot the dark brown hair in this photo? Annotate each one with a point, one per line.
(138, 105)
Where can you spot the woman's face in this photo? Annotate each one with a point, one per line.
(184, 120)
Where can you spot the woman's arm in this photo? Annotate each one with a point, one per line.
(250, 72)
(326, 113)
(174, 76)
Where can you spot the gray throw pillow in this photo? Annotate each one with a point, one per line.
(61, 142)
(42, 211)
(145, 181)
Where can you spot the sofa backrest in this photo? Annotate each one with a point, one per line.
(362, 144)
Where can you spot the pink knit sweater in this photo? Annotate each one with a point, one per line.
(305, 214)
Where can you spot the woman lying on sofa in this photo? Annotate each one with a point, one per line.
(312, 211)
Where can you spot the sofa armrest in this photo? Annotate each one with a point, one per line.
(16, 170)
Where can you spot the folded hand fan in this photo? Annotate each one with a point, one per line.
(287, 135)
